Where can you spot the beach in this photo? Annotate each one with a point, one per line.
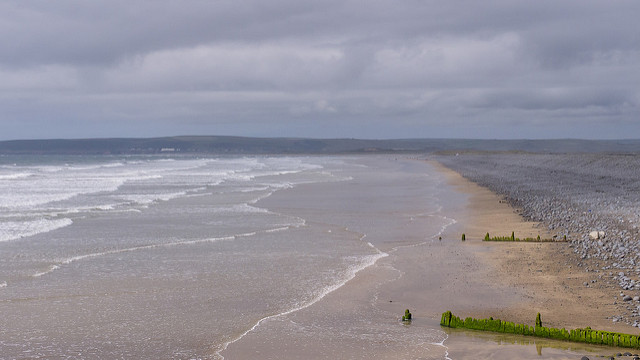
(439, 272)
(276, 258)
(545, 273)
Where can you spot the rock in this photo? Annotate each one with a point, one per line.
(636, 298)
(627, 298)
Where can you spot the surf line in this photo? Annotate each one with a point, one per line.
(328, 290)
(446, 348)
(68, 261)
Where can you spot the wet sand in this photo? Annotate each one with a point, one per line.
(512, 281)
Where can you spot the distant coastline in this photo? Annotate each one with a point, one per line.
(248, 145)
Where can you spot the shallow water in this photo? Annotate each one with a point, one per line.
(157, 258)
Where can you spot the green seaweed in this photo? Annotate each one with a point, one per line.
(406, 316)
(586, 335)
(513, 237)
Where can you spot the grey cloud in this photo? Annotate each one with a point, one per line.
(323, 68)
(554, 99)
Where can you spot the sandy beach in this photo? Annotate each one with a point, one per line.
(543, 273)
(512, 281)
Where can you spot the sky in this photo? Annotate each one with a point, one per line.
(371, 69)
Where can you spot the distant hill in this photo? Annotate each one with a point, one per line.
(246, 145)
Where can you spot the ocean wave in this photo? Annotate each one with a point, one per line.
(49, 213)
(95, 167)
(15, 176)
(13, 230)
(243, 208)
(284, 228)
(70, 260)
(441, 344)
(360, 264)
(146, 199)
(253, 189)
(20, 199)
(61, 262)
(41, 191)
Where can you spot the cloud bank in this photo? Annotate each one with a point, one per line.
(368, 69)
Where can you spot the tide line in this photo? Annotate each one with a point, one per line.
(446, 348)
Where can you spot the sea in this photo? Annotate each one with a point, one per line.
(186, 257)
(159, 257)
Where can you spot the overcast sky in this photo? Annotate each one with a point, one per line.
(324, 68)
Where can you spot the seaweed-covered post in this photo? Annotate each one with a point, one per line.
(538, 321)
(407, 315)
(464, 237)
(446, 319)
(513, 236)
(486, 237)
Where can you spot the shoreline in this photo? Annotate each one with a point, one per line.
(591, 198)
(339, 320)
(511, 281)
(327, 291)
(546, 272)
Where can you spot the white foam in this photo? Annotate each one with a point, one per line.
(252, 189)
(241, 209)
(70, 260)
(24, 199)
(364, 263)
(41, 190)
(51, 268)
(13, 230)
(15, 176)
(449, 222)
(95, 167)
(3, 284)
(253, 233)
(446, 348)
(50, 168)
(146, 199)
(284, 228)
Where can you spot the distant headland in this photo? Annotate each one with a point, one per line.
(249, 145)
